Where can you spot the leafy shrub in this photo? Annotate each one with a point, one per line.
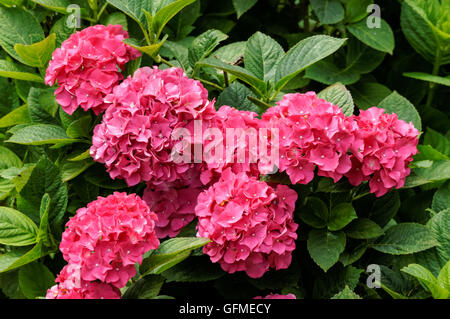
(249, 55)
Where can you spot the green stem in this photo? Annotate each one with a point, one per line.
(214, 85)
(260, 103)
(304, 12)
(102, 9)
(360, 196)
(432, 86)
(162, 60)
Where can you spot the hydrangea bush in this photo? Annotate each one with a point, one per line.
(247, 149)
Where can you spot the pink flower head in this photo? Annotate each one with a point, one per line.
(71, 286)
(250, 224)
(236, 145)
(313, 133)
(277, 296)
(87, 67)
(382, 150)
(108, 237)
(135, 139)
(174, 203)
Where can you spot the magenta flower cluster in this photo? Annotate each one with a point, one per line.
(102, 243)
(134, 139)
(250, 224)
(88, 66)
(373, 145)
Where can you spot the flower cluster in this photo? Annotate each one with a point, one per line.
(382, 150)
(104, 241)
(312, 132)
(174, 203)
(71, 286)
(233, 143)
(135, 139)
(88, 66)
(277, 296)
(250, 224)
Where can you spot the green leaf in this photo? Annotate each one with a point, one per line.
(406, 238)
(385, 208)
(16, 229)
(325, 247)
(340, 216)
(181, 54)
(80, 127)
(356, 10)
(79, 157)
(441, 199)
(15, 260)
(435, 171)
(361, 58)
(261, 56)
(42, 105)
(327, 72)
(9, 69)
(151, 50)
(339, 95)
(242, 6)
(437, 141)
(326, 285)
(194, 269)
(170, 253)
(145, 288)
(40, 134)
(43, 234)
(55, 5)
(204, 44)
(428, 77)
(423, 35)
(116, 18)
(18, 26)
(440, 228)
(381, 39)
(15, 117)
(328, 11)
(97, 176)
(34, 280)
(235, 95)
(240, 73)
(444, 277)
(314, 212)
(165, 14)
(133, 8)
(368, 94)
(347, 293)
(363, 228)
(45, 179)
(426, 277)
(9, 158)
(37, 54)
(305, 53)
(349, 256)
(395, 103)
(70, 170)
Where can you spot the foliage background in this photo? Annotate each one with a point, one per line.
(237, 49)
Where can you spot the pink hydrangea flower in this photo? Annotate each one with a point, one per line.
(277, 296)
(382, 150)
(237, 144)
(71, 286)
(250, 224)
(135, 139)
(312, 133)
(174, 203)
(87, 67)
(108, 237)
